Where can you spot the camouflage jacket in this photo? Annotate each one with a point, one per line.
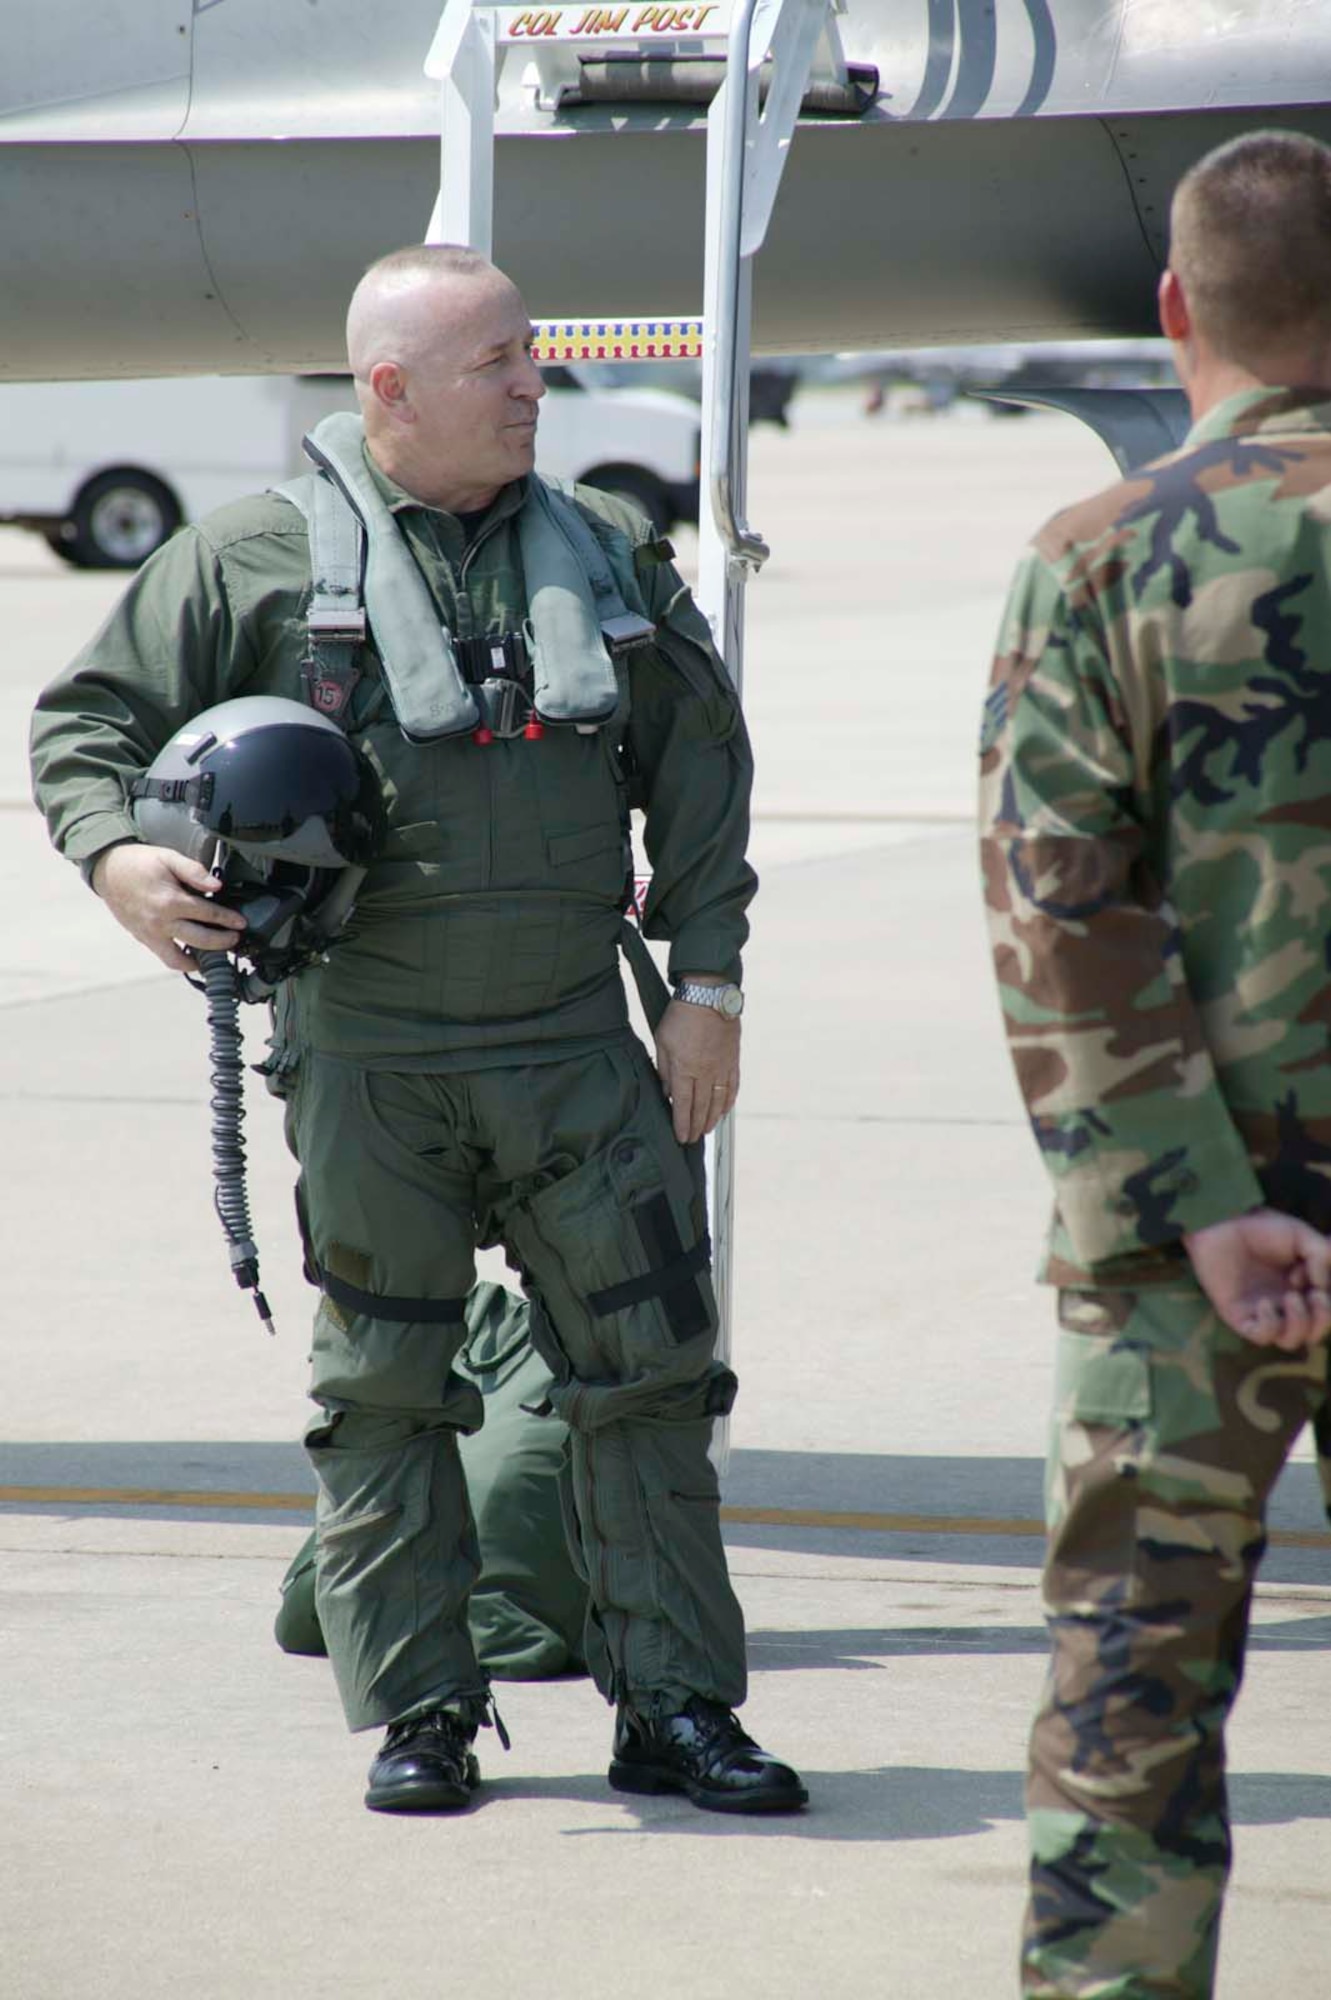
(1156, 841)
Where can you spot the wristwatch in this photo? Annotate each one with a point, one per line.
(727, 1000)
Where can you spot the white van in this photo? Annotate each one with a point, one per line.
(106, 471)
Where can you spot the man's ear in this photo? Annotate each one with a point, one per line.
(1172, 304)
(389, 387)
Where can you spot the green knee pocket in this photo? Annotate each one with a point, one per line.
(375, 1500)
(618, 1252)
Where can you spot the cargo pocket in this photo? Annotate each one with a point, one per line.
(593, 861)
(1101, 1439)
(1101, 1379)
(374, 1498)
(614, 1252)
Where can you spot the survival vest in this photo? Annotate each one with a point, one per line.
(366, 585)
(578, 624)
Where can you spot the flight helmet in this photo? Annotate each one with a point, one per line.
(275, 799)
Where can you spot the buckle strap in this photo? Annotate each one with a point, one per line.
(383, 1305)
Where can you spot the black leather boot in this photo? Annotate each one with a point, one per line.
(426, 1765)
(703, 1752)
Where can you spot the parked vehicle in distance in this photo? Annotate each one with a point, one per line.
(107, 471)
(641, 442)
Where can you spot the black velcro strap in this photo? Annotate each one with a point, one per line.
(652, 1284)
(670, 1281)
(379, 1305)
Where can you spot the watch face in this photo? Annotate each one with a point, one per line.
(730, 1001)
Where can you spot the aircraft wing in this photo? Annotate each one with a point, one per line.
(196, 189)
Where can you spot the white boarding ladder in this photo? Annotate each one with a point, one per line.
(480, 41)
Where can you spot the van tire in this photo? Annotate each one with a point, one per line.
(117, 521)
(641, 490)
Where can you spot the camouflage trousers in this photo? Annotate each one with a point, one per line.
(1169, 1432)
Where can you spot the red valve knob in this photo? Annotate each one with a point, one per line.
(482, 735)
(534, 731)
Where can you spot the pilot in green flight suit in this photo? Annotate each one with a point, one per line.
(519, 665)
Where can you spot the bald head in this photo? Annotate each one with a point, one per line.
(1250, 243)
(408, 303)
(441, 350)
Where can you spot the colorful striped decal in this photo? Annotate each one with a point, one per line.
(617, 340)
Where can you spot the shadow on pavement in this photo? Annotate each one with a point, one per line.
(852, 1649)
(904, 1802)
(893, 1802)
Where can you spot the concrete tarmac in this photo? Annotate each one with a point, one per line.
(182, 1804)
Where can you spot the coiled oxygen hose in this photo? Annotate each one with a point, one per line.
(222, 985)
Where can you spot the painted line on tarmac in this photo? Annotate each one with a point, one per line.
(754, 1517)
(136, 1496)
(951, 1524)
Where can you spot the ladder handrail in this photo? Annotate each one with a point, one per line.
(753, 155)
(747, 550)
(746, 154)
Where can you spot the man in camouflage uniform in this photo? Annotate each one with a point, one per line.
(1156, 832)
(462, 1065)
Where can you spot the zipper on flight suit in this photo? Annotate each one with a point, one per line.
(465, 627)
(492, 803)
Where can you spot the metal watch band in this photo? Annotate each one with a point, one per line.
(725, 999)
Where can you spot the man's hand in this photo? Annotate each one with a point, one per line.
(160, 898)
(1268, 1276)
(697, 1053)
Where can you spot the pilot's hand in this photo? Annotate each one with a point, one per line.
(161, 899)
(697, 1054)
(1268, 1276)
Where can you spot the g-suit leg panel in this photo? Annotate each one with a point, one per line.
(614, 1254)
(389, 1228)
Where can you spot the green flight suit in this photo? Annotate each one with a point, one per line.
(462, 1068)
(528, 1610)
